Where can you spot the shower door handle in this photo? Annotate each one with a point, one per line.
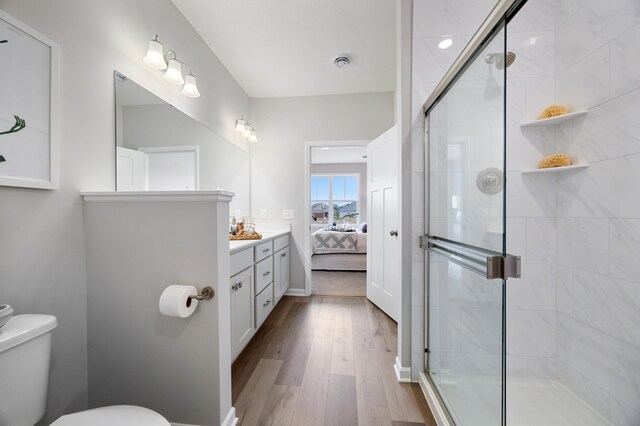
(487, 263)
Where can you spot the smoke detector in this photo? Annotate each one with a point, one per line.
(341, 61)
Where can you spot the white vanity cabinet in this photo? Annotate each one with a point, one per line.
(280, 267)
(242, 320)
(259, 279)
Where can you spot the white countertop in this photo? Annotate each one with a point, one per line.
(128, 196)
(235, 246)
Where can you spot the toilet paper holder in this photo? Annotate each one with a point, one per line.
(207, 293)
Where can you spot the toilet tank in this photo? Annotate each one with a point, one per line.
(25, 349)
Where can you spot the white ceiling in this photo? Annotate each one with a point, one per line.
(286, 47)
(339, 155)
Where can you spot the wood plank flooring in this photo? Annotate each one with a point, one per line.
(325, 361)
(339, 283)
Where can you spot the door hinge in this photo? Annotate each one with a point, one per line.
(427, 351)
(424, 242)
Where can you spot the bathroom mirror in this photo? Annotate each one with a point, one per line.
(160, 148)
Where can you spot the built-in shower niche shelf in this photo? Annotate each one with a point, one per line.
(553, 121)
(556, 169)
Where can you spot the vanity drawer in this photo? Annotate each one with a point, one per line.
(241, 260)
(264, 305)
(264, 273)
(263, 250)
(280, 243)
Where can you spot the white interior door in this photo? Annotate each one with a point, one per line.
(383, 243)
(173, 168)
(130, 169)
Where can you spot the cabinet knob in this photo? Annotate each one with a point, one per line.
(393, 233)
(266, 250)
(265, 304)
(266, 273)
(283, 255)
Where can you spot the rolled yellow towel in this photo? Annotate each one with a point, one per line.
(554, 111)
(555, 160)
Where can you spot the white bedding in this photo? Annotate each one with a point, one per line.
(333, 242)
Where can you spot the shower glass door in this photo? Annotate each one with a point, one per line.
(466, 240)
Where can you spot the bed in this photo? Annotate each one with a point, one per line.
(339, 250)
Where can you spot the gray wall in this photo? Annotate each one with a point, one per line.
(42, 255)
(136, 355)
(277, 162)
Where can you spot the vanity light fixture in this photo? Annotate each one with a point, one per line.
(155, 55)
(190, 90)
(240, 124)
(246, 130)
(173, 74)
(172, 67)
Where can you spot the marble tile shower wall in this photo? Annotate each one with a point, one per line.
(531, 199)
(597, 59)
(433, 21)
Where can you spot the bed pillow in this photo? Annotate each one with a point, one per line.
(363, 227)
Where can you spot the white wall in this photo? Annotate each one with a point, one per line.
(42, 255)
(277, 162)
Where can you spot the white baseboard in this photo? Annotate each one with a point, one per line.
(231, 419)
(402, 373)
(438, 410)
(295, 292)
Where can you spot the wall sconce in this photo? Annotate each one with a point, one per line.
(240, 124)
(172, 67)
(243, 127)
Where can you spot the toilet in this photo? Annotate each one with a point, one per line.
(25, 348)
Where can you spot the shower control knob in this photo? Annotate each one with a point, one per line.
(490, 181)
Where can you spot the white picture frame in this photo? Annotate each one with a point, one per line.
(44, 179)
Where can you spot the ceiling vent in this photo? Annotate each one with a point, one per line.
(341, 61)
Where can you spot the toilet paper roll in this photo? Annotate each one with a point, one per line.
(175, 302)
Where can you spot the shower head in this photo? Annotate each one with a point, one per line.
(499, 59)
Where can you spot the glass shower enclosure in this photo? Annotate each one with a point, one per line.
(467, 259)
(532, 310)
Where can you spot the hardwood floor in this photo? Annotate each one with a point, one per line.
(339, 283)
(325, 361)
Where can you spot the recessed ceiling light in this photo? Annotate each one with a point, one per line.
(446, 43)
(325, 149)
(341, 61)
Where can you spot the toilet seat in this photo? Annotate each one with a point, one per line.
(121, 415)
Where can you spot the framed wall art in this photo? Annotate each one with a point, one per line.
(28, 106)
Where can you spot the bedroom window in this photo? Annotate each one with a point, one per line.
(334, 198)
